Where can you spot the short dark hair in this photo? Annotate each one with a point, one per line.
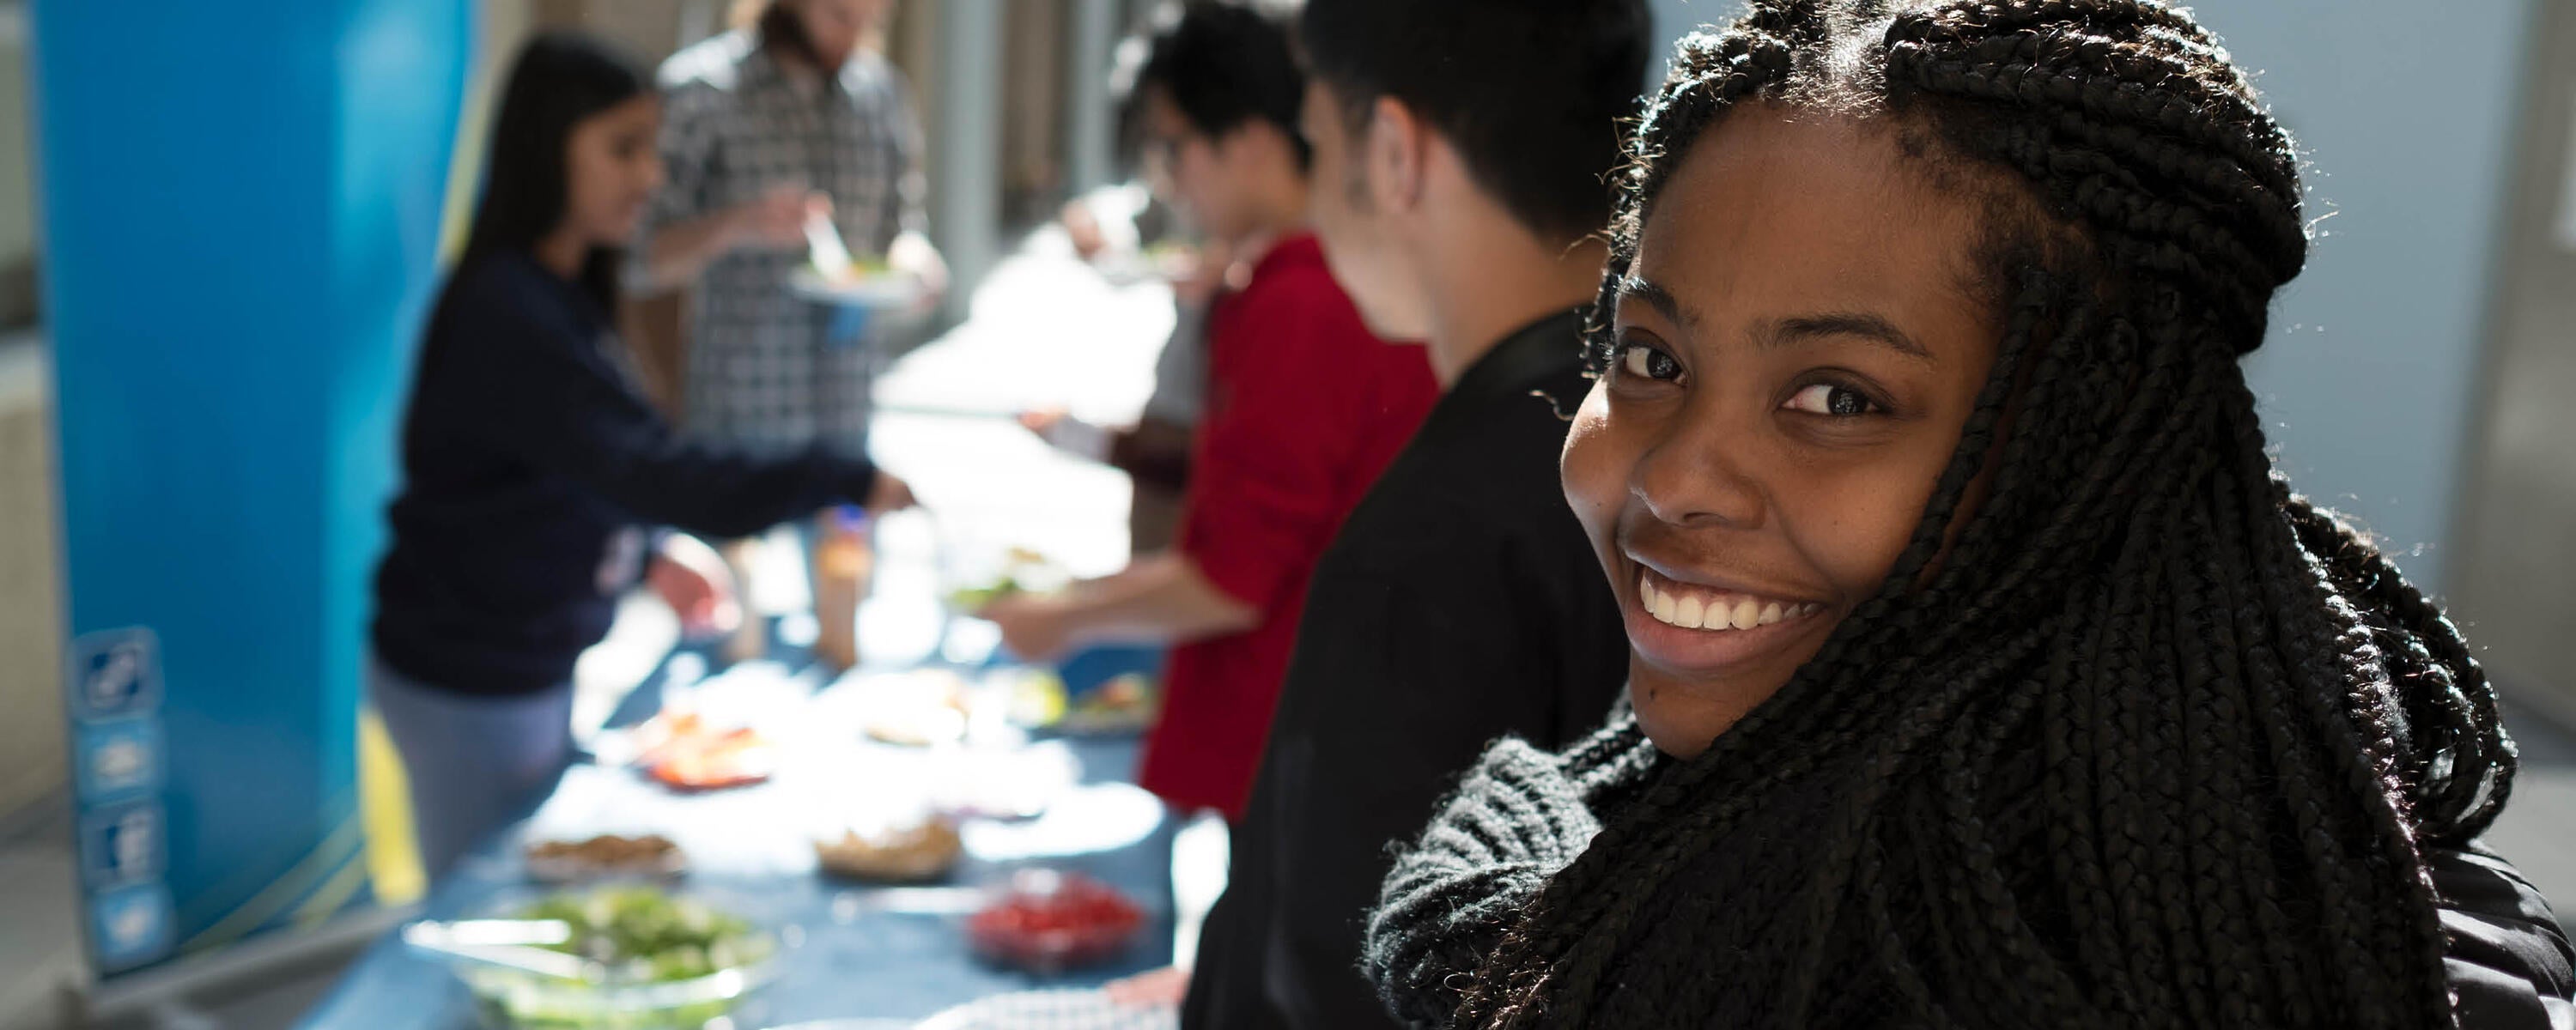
(1530, 92)
(559, 80)
(1223, 65)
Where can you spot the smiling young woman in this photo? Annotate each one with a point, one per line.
(1983, 672)
(1766, 435)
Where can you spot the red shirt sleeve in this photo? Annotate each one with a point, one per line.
(1280, 437)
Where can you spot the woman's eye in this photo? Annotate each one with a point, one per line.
(1829, 399)
(1644, 362)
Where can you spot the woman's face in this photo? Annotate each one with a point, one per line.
(1797, 352)
(612, 170)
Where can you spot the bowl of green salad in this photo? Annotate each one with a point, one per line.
(647, 959)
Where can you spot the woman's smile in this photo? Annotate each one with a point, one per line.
(1698, 624)
(1767, 430)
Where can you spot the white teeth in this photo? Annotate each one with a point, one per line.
(1693, 611)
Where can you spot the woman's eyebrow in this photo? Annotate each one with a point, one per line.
(1845, 323)
(1633, 287)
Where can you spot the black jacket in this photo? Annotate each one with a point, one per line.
(1461, 602)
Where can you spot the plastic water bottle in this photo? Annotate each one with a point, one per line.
(844, 561)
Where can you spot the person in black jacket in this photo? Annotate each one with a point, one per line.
(1459, 148)
(533, 462)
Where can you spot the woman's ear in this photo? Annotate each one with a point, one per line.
(1398, 146)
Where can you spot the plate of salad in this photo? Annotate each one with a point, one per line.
(648, 959)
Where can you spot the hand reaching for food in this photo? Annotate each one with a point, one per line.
(889, 494)
(1067, 433)
(694, 580)
(1034, 626)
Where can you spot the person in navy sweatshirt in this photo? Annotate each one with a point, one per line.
(540, 483)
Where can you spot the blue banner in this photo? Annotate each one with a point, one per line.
(241, 209)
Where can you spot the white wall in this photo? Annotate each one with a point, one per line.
(2404, 108)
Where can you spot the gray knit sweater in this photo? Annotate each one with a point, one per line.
(1519, 816)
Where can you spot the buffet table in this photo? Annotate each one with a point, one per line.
(1045, 330)
(850, 949)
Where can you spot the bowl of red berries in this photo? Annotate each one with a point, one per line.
(1048, 921)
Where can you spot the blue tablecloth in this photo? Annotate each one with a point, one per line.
(854, 950)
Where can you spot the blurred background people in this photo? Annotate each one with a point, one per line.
(532, 461)
(1461, 144)
(1305, 407)
(793, 118)
(1135, 227)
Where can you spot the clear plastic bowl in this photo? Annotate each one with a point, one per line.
(514, 999)
(527, 1001)
(1046, 921)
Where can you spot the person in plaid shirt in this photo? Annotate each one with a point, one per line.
(785, 119)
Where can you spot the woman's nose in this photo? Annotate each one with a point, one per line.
(1701, 474)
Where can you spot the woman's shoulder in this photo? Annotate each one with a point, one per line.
(489, 284)
(1517, 817)
(2508, 959)
(503, 295)
(714, 64)
(1541, 807)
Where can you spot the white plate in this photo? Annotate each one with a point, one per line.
(1052, 1010)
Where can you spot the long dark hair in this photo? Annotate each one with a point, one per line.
(559, 79)
(2156, 742)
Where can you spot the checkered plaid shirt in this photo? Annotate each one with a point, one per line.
(763, 368)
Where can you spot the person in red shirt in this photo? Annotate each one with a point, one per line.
(1305, 408)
